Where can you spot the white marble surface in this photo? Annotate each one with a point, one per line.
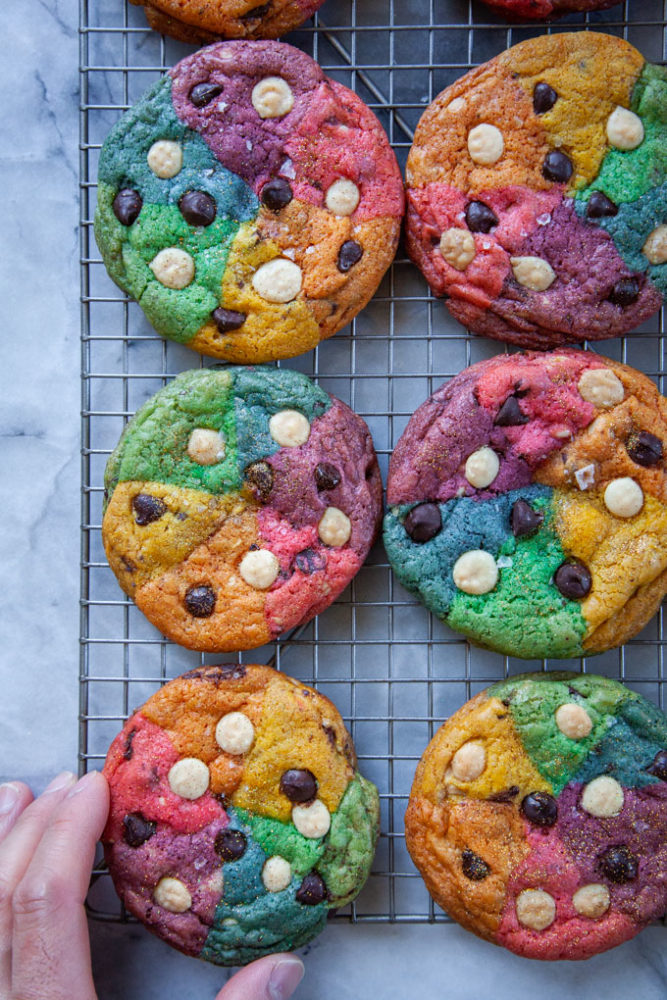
(39, 576)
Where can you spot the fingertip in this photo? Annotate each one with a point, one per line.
(285, 976)
(15, 796)
(274, 977)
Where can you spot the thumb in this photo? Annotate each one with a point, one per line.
(272, 978)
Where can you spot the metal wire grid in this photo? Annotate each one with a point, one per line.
(394, 671)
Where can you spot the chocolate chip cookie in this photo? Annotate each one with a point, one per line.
(537, 192)
(239, 504)
(528, 503)
(538, 815)
(248, 203)
(238, 817)
(202, 21)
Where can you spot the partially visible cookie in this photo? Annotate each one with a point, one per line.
(538, 815)
(537, 192)
(542, 10)
(239, 504)
(238, 817)
(528, 503)
(203, 21)
(248, 203)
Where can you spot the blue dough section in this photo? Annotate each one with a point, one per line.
(623, 754)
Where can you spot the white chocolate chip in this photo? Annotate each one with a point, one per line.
(279, 280)
(623, 497)
(573, 721)
(334, 527)
(272, 97)
(535, 909)
(457, 246)
(625, 129)
(533, 273)
(215, 882)
(189, 778)
(458, 104)
(165, 158)
(485, 144)
(342, 197)
(206, 447)
(469, 761)
(655, 248)
(276, 873)
(592, 900)
(235, 733)
(173, 895)
(601, 387)
(602, 796)
(173, 268)
(475, 572)
(482, 467)
(312, 821)
(585, 476)
(289, 428)
(259, 568)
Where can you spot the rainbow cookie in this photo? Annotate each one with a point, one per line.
(248, 203)
(239, 504)
(202, 21)
(544, 9)
(238, 817)
(528, 503)
(537, 192)
(538, 815)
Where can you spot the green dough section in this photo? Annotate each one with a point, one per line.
(350, 846)
(276, 837)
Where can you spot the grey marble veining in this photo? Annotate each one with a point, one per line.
(39, 581)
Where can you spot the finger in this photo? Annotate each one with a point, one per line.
(272, 978)
(16, 850)
(50, 945)
(14, 798)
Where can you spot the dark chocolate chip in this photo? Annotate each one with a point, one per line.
(659, 765)
(510, 415)
(599, 205)
(474, 867)
(557, 167)
(256, 12)
(327, 476)
(544, 98)
(298, 785)
(619, 864)
(480, 218)
(147, 508)
(127, 752)
(330, 734)
(219, 672)
(524, 520)
(230, 844)
(137, 829)
(423, 522)
(259, 476)
(126, 206)
(197, 208)
(200, 601)
(276, 193)
(644, 449)
(624, 292)
(540, 808)
(312, 890)
(227, 319)
(309, 561)
(573, 580)
(509, 793)
(203, 93)
(350, 253)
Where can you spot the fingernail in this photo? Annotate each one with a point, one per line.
(62, 781)
(83, 783)
(285, 977)
(9, 794)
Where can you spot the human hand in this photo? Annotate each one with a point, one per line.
(47, 846)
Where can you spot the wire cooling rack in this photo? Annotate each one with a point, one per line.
(394, 672)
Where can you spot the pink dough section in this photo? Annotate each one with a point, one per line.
(140, 783)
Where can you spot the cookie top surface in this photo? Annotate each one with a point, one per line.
(202, 21)
(238, 818)
(240, 502)
(537, 192)
(541, 10)
(538, 815)
(248, 203)
(528, 503)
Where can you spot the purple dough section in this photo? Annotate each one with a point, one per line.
(188, 857)
(243, 142)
